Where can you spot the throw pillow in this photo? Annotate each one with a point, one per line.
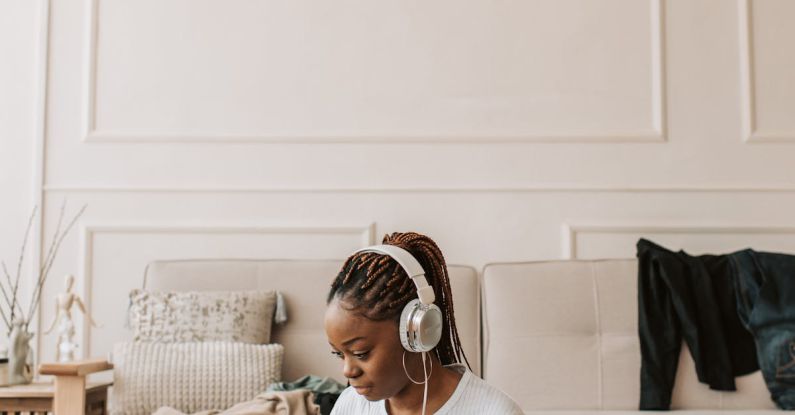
(190, 377)
(195, 316)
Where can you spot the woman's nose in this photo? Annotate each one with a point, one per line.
(349, 368)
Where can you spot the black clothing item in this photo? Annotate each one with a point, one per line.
(690, 297)
(326, 401)
(325, 390)
(765, 284)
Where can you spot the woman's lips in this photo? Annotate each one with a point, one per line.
(362, 389)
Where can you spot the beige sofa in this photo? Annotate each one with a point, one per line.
(556, 335)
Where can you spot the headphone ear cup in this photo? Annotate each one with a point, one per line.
(420, 326)
(408, 311)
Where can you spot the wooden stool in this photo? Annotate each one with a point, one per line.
(70, 394)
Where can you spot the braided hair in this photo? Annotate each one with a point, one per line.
(378, 288)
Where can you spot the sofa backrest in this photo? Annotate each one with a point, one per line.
(304, 284)
(563, 335)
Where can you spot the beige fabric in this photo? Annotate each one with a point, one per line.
(172, 317)
(680, 412)
(190, 376)
(304, 284)
(297, 402)
(563, 335)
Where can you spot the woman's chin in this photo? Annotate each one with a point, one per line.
(367, 393)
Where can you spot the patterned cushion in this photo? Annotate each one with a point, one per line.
(173, 317)
(190, 377)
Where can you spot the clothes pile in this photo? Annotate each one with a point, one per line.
(736, 312)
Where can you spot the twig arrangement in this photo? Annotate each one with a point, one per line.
(13, 309)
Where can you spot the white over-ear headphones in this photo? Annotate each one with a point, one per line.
(421, 320)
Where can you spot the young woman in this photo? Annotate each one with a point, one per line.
(387, 374)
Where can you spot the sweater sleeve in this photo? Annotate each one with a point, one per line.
(659, 332)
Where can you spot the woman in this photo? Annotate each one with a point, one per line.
(362, 322)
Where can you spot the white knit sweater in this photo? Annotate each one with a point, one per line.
(472, 396)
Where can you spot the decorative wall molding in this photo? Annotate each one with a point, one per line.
(90, 70)
(570, 232)
(655, 134)
(94, 136)
(540, 188)
(39, 139)
(747, 88)
(89, 231)
(658, 78)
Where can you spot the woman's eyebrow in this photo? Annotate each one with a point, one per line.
(347, 342)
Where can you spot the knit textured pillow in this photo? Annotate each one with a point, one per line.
(190, 377)
(195, 316)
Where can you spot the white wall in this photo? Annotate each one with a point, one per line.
(512, 130)
(21, 128)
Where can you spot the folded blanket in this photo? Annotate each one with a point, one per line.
(297, 402)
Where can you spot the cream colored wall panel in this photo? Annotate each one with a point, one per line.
(768, 61)
(704, 148)
(19, 30)
(23, 50)
(225, 71)
(618, 241)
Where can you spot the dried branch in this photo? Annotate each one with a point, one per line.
(10, 303)
(47, 259)
(2, 312)
(54, 239)
(15, 287)
(51, 258)
(10, 293)
(5, 319)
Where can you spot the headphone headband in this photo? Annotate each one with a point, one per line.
(410, 265)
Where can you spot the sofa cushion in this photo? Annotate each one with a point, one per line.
(555, 330)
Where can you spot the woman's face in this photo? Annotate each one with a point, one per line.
(370, 351)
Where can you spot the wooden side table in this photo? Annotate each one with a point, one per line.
(70, 394)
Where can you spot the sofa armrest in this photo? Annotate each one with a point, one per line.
(70, 383)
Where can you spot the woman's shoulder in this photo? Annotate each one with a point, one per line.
(350, 402)
(475, 395)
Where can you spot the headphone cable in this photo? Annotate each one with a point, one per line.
(427, 377)
(425, 393)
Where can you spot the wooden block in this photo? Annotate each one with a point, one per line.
(70, 395)
(76, 368)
